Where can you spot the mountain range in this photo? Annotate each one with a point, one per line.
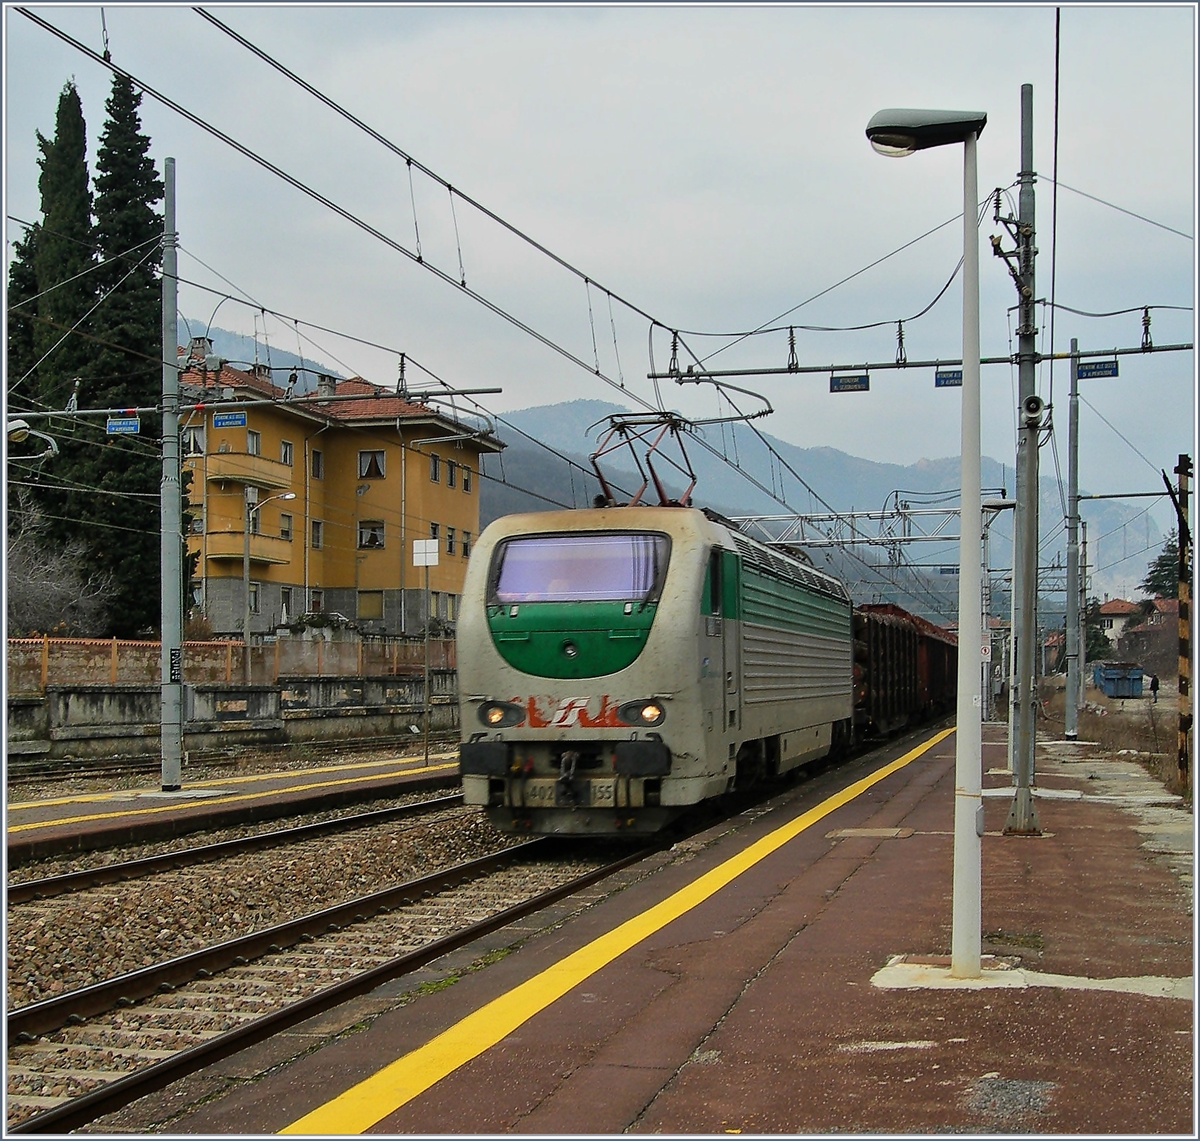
(546, 464)
(736, 475)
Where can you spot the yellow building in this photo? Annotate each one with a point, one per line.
(342, 486)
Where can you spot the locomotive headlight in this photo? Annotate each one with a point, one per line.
(501, 714)
(642, 713)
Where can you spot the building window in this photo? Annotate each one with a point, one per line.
(285, 527)
(316, 601)
(370, 465)
(317, 531)
(466, 544)
(434, 603)
(466, 480)
(192, 441)
(1106, 623)
(253, 442)
(285, 452)
(434, 530)
(252, 509)
(285, 603)
(370, 604)
(451, 473)
(451, 607)
(254, 598)
(197, 594)
(435, 468)
(449, 540)
(318, 464)
(370, 534)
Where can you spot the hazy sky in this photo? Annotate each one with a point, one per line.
(707, 164)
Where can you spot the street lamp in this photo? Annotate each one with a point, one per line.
(897, 132)
(19, 431)
(249, 507)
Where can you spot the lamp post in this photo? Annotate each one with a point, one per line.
(249, 507)
(896, 133)
(19, 431)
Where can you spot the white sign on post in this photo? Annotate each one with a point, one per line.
(425, 552)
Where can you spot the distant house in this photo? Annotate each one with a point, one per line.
(1166, 610)
(1115, 615)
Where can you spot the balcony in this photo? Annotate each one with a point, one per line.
(229, 545)
(243, 468)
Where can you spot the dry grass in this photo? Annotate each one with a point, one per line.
(1132, 723)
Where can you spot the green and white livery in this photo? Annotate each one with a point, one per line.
(617, 665)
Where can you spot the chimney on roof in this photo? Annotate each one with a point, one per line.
(199, 348)
(262, 371)
(326, 385)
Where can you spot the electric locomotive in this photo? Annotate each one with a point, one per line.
(620, 664)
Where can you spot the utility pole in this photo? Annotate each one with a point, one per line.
(1083, 565)
(1184, 469)
(1071, 727)
(170, 508)
(1022, 818)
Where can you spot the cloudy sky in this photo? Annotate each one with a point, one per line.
(706, 164)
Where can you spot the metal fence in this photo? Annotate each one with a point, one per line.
(34, 663)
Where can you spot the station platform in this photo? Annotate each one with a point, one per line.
(787, 972)
(43, 828)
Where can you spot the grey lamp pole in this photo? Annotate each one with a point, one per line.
(249, 507)
(896, 133)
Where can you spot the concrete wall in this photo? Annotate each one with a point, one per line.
(123, 720)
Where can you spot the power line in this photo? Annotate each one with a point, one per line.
(1122, 210)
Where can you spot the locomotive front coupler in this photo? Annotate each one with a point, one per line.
(566, 775)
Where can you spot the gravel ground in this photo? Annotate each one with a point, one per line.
(72, 941)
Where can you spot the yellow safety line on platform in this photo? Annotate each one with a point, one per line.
(397, 1083)
(125, 794)
(208, 801)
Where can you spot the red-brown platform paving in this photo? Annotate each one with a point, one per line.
(755, 1011)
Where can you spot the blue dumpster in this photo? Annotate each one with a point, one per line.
(1118, 679)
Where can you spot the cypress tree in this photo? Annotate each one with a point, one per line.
(55, 264)
(22, 309)
(62, 256)
(126, 364)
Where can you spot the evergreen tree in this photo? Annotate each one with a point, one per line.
(62, 256)
(22, 309)
(126, 368)
(54, 289)
(1162, 575)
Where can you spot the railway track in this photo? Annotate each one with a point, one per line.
(23, 771)
(48, 887)
(82, 1055)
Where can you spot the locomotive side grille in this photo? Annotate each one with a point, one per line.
(782, 665)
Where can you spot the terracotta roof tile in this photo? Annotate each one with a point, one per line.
(1116, 607)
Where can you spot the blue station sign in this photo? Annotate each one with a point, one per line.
(1090, 370)
(229, 419)
(858, 382)
(123, 426)
(947, 378)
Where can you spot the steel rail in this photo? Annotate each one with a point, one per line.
(115, 1095)
(51, 886)
(50, 1014)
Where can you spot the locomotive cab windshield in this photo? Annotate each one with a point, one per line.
(577, 604)
(611, 566)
